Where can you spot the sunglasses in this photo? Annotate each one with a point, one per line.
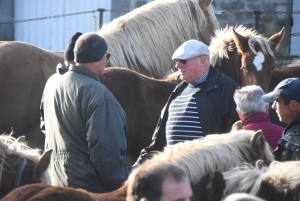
(107, 56)
(183, 61)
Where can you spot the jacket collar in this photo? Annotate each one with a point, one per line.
(257, 116)
(85, 71)
(295, 121)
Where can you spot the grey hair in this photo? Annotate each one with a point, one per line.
(249, 100)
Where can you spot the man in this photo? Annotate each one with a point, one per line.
(200, 105)
(158, 181)
(286, 103)
(60, 70)
(86, 126)
(253, 112)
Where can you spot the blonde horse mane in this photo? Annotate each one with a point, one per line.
(213, 152)
(247, 178)
(150, 34)
(295, 63)
(222, 43)
(10, 145)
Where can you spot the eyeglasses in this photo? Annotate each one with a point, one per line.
(183, 61)
(107, 56)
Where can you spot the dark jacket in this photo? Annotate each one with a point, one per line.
(216, 108)
(288, 147)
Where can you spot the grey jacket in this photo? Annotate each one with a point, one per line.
(86, 128)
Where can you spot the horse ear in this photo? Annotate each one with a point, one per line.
(240, 41)
(21, 139)
(42, 164)
(237, 126)
(258, 143)
(204, 4)
(218, 185)
(276, 38)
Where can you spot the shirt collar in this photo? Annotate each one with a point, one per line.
(201, 79)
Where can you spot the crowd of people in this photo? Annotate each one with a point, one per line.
(86, 126)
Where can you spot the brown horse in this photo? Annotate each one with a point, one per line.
(24, 72)
(142, 98)
(145, 39)
(278, 182)
(20, 165)
(244, 55)
(198, 158)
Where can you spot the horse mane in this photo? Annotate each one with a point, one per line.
(295, 63)
(143, 28)
(219, 151)
(247, 178)
(223, 43)
(10, 145)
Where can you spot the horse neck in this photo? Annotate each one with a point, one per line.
(231, 67)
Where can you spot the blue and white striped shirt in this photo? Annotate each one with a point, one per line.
(183, 121)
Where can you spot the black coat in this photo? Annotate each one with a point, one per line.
(216, 108)
(288, 147)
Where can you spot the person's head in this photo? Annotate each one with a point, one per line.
(90, 51)
(286, 99)
(69, 50)
(157, 181)
(242, 197)
(192, 60)
(249, 100)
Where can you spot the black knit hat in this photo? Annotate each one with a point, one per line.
(90, 47)
(69, 53)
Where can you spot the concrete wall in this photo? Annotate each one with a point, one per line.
(268, 23)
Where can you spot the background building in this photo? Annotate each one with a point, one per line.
(62, 18)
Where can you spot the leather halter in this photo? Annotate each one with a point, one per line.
(22, 164)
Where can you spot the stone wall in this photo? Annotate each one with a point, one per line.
(268, 23)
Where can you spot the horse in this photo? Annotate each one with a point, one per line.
(278, 182)
(142, 98)
(197, 158)
(145, 38)
(244, 55)
(21, 165)
(24, 72)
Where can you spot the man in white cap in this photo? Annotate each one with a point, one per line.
(286, 101)
(200, 105)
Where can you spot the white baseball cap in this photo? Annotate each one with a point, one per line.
(191, 49)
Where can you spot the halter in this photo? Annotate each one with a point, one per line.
(22, 164)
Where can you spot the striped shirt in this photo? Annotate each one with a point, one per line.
(183, 120)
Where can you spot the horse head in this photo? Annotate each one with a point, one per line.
(257, 59)
(244, 55)
(22, 165)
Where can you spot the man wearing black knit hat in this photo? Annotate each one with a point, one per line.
(88, 125)
(60, 70)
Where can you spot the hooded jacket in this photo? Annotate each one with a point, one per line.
(86, 128)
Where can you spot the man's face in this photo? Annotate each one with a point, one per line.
(102, 64)
(192, 69)
(177, 191)
(284, 112)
